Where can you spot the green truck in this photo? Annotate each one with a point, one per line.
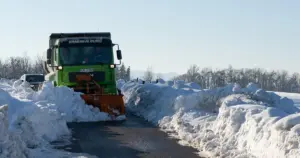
(73, 54)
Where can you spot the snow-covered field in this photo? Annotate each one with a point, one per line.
(30, 120)
(225, 122)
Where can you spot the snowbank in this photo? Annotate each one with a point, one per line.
(27, 129)
(120, 83)
(63, 100)
(68, 103)
(11, 144)
(30, 121)
(224, 122)
(160, 80)
(294, 96)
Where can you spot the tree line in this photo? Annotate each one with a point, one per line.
(123, 72)
(269, 80)
(14, 67)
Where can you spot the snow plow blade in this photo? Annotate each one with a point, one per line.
(111, 104)
(93, 94)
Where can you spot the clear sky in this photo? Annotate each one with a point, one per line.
(168, 35)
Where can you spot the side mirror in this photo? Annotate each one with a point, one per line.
(119, 54)
(48, 53)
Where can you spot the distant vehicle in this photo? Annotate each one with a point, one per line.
(35, 80)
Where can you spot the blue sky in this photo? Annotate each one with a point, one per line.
(168, 35)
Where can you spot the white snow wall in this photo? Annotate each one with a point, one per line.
(222, 122)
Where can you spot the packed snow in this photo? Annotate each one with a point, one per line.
(230, 121)
(30, 120)
(294, 96)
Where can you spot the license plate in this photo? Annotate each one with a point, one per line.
(87, 70)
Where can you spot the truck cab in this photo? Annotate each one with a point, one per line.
(70, 54)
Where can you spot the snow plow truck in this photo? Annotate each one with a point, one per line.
(85, 63)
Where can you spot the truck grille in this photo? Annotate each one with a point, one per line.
(98, 76)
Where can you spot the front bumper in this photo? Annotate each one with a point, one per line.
(108, 87)
(35, 86)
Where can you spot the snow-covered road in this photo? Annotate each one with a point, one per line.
(132, 138)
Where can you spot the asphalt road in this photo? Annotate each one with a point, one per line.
(132, 138)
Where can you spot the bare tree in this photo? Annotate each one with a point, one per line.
(193, 74)
(149, 74)
(38, 65)
(269, 80)
(15, 67)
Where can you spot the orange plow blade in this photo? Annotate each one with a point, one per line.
(111, 104)
(93, 95)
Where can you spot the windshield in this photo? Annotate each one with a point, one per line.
(35, 78)
(88, 55)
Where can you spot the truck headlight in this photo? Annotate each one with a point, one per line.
(112, 66)
(59, 67)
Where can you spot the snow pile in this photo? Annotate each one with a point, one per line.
(120, 83)
(27, 129)
(179, 84)
(11, 145)
(193, 85)
(32, 120)
(224, 122)
(21, 89)
(294, 96)
(170, 83)
(68, 103)
(62, 100)
(160, 80)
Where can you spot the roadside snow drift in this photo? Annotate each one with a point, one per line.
(30, 121)
(224, 122)
(60, 99)
(11, 144)
(294, 96)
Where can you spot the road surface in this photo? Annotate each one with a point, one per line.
(132, 138)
